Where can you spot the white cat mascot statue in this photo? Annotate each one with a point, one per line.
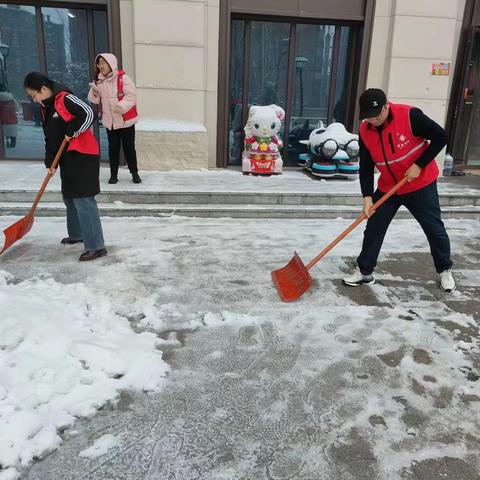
(261, 154)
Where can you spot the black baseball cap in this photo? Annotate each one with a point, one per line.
(371, 102)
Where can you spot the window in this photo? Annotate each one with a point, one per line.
(60, 41)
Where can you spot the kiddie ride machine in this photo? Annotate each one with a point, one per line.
(261, 154)
(333, 153)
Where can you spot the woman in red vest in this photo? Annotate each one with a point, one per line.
(400, 140)
(115, 94)
(66, 116)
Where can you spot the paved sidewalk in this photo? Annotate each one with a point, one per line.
(29, 175)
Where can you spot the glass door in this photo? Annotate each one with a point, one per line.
(304, 68)
(259, 66)
(311, 84)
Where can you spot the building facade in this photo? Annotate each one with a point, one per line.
(200, 64)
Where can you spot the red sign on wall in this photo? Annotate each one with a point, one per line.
(441, 68)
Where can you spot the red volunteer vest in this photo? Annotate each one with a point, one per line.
(394, 149)
(132, 113)
(86, 141)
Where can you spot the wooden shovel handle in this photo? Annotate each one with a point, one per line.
(48, 176)
(357, 222)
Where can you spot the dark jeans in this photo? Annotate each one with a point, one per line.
(127, 138)
(424, 206)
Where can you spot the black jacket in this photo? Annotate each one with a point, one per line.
(79, 172)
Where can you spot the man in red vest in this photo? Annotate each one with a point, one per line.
(399, 140)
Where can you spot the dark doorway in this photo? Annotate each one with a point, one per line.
(466, 146)
(306, 68)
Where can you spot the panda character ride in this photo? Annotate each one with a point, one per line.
(333, 153)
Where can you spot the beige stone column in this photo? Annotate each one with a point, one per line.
(171, 47)
(408, 37)
(126, 31)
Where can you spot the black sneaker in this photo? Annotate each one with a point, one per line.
(92, 254)
(113, 180)
(70, 241)
(136, 178)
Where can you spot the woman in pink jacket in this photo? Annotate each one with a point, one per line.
(115, 94)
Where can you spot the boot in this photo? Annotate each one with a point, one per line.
(136, 178)
(92, 254)
(112, 180)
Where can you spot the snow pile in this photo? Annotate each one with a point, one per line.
(162, 317)
(168, 125)
(64, 352)
(100, 447)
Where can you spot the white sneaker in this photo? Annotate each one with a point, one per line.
(447, 282)
(357, 278)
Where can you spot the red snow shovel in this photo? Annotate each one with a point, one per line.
(293, 280)
(20, 228)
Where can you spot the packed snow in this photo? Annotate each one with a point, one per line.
(64, 353)
(100, 447)
(394, 362)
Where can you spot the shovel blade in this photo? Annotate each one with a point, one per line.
(292, 280)
(16, 231)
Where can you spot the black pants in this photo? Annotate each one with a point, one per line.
(127, 137)
(424, 206)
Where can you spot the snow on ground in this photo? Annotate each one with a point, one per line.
(383, 374)
(64, 353)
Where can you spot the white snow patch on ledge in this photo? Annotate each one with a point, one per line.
(168, 125)
(64, 352)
